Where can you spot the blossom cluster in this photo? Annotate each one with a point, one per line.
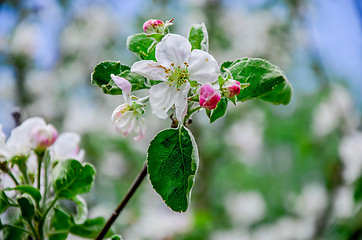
(29, 140)
(189, 79)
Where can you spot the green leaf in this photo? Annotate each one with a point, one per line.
(358, 190)
(9, 233)
(172, 164)
(90, 228)
(82, 210)
(101, 77)
(4, 202)
(27, 207)
(59, 225)
(220, 110)
(267, 81)
(32, 191)
(142, 45)
(198, 37)
(116, 237)
(71, 178)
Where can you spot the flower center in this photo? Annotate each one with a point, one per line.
(178, 75)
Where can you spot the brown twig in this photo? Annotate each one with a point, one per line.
(125, 200)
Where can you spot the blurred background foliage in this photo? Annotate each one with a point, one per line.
(266, 172)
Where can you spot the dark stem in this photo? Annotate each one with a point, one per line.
(125, 200)
(16, 115)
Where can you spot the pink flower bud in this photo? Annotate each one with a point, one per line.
(231, 88)
(153, 26)
(209, 97)
(43, 136)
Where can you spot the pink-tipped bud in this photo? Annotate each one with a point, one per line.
(153, 26)
(43, 136)
(231, 88)
(209, 97)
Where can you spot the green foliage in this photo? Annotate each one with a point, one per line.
(198, 37)
(172, 164)
(90, 228)
(358, 190)
(27, 208)
(59, 225)
(4, 202)
(9, 233)
(142, 45)
(101, 77)
(82, 210)
(267, 81)
(71, 178)
(32, 191)
(220, 110)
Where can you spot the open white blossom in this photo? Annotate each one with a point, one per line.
(127, 117)
(176, 66)
(67, 146)
(19, 143)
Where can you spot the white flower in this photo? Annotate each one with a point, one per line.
(19, 142)
(176, 65)
(67, 146)
(127, 118)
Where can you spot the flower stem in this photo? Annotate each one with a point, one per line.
(191, 112)
(40, 156)
(123, 203)
(13, 177)
(46, 163)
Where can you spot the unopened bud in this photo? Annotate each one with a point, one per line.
(153, 26)
(209, 97)
(43, 136)
(231, 88)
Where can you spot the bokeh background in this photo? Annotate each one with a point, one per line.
(266, 172)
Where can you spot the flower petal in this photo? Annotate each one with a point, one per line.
(150, 69)
(122, 83)
(19, 140)
(162, 97)
(173, 48)
(203, 67)
(181, 103)
(66, 146)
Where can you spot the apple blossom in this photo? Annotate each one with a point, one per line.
(43, 136)
(19, 143)
(176, 66)
(209, 97)
(67, 146)
(127, 117)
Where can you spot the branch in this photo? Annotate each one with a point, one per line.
(125, 200)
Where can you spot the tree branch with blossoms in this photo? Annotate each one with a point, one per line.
(182, 79)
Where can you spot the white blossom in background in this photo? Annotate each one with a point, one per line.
(245, 208)
(67, 146)
(24, 39)
(286, 228)
(176, 65)
(337, 108)
(350, 151)
(312, 201)
(248, 136)
(344, 206)
(230, 235)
